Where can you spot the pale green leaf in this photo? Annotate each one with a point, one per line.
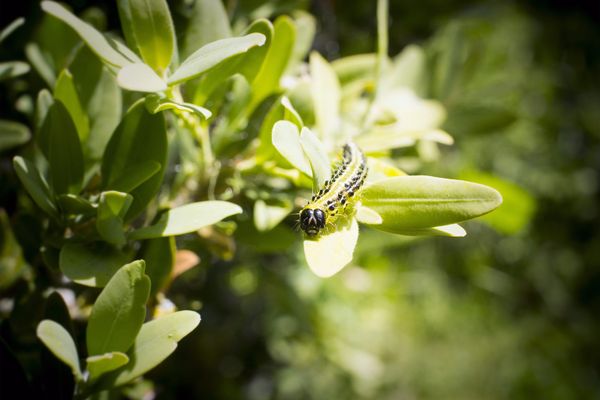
(103, 47)
(188, 218)
(212, 54)
(90, 264)
(267, 216)
(329, 253)
(286, 139)
(156, 103)
(61, 344)
(409, 203)
(10, 28)
(12, 134)
(40, 63)
(141, 78)
(325, 89)
(317, 156)
(12, 69)
(155, 342)
(119, 311)
(103, 363)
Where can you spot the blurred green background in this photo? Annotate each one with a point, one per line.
(509, 312)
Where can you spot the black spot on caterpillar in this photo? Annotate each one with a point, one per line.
(337, 194)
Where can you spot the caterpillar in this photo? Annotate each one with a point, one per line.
(337, 193)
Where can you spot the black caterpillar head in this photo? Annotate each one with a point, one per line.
(312, 221)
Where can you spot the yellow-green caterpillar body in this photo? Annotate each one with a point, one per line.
(337, 193)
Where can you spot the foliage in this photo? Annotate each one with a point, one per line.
(195, 116)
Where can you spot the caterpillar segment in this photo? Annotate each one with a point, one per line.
(338, 194)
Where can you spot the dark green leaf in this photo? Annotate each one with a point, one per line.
(60, 143)
(119, 311)
(90, 264)
(65, 91)
(139, 138)
(159, 255)
(35, 185)
(137, 174)
(111, 210)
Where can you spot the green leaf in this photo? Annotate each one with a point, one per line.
(325, 89)
(137, 174)
(268, 216)
(111, 210)
(61, 344)
(212, 54)
(251, 62)
(408, 68)
(156, 103)
(153, 31)
(208, 22)
(141, 78)
(159, 255)
(119, 311)
(60, 143)
(139, 138)
(101, 364)
(282, 109)
(40, 63)
(286, 140)
(90, 264)
(35, 185)
(188, 218)
(65, 91)
(155, 342)
(12, 262)
(306, 27)
(12, 69)
(476, 119)
(409, 203)
(12, 134)
(42, 105)
(71, 204)
(319, 161)
(276, 60)
(356, 67)
(11, 28)
(329, 253)
(105, 48)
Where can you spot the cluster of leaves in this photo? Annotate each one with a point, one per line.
(241, 120)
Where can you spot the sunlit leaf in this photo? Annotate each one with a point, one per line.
(188, 218)
(156, 103)
(329, 253)
(286, 139)
(61, 344)
(212, 54)
(317, 156)
(267, 216)
(153, 31)
(325, 89)
(100, 364)
(102, 46)
(140, 77)
(155, 342)
(119, 311)
(416, 202)
(65, 91)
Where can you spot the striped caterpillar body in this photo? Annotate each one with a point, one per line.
(337, 193)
